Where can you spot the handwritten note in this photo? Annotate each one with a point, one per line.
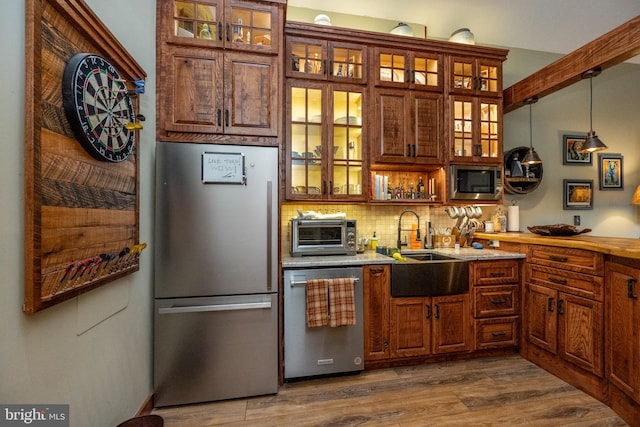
(225, 168)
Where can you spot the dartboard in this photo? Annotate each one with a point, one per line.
(98, 107)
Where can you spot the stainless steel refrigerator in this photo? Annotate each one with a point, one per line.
(216, 300)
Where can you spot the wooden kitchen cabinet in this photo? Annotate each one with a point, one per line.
(377, 295)
(475, 126)
(475, 76)
(423, 326)
(407, 69)
(408, 127)
(496, 303)
(219, 71)
(325, 141)
(623, 328)
(319, 59)
(563, 314)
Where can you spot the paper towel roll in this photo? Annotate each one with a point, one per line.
(513, 218)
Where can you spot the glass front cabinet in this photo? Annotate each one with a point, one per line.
(476, 127)
(325, 60)
(324, 141)
(233, 24)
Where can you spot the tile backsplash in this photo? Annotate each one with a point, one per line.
(383, 219)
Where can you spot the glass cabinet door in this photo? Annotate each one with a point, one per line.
(489, 129)
(392, 67)
(306, 58)
(347, 62)
(463, 127)
(250, 27)
(306, 142)
(197, 19)
(426, 71)
(346, 150)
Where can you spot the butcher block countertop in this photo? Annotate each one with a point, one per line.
(617, 246)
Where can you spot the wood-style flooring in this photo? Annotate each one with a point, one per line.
(505, 391)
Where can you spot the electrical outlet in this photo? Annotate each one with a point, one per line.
(576, 220)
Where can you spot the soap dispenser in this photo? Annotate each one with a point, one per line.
(374, 242)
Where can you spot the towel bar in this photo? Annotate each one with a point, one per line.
(294, 283)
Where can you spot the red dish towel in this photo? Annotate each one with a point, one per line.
(317, 303)
(342, 308)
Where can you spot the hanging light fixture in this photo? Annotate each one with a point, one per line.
(531, 158)
(592, 143)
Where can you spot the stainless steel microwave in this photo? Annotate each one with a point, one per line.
(322, 236)
(475, 182)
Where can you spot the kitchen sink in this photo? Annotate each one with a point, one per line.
(429, 275)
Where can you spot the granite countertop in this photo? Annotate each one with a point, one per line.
(371, 257)
(625, 247)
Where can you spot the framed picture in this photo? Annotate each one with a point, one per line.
(610, 171)
(571, 145)
(578, 193)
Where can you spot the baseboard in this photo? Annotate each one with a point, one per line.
(147, 406)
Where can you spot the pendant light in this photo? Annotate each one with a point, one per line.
(592, 143)
(531, 158)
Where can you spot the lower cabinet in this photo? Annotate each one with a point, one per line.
(566, 325)
(496, 303)
(423, 326)
(377, 291)
(623, 329)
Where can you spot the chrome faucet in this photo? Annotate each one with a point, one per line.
(400, 229)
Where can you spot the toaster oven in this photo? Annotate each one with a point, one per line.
(322, 236)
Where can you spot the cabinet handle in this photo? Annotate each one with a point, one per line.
(500, 301)
(220, 31)
(437, 311)
(558, 281)
(377, 270)
(219, 113)
(228, 32)
(558, 258)
(498, 334)
(497, 274)
(330, 67)
(415, 153)
(324, 187)
(324, 66)
(226, 118)
(560, 310)
(331, 187)
(408, 75)
(630, 284)
(476, 83)
(550, 305)
(428, 311)
(408, 150)
(413, 76)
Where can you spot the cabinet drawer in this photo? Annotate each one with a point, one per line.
(495, 272)
(577, 260)
(583, 285)
(492, 301)
(498, 332)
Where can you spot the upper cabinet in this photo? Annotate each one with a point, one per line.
(325, 60)
(242, 25)
(325, 137)
(475, 127)
(219, 71)
(475, 76)
(408, 69)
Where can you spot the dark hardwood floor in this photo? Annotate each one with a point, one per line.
(505, 391)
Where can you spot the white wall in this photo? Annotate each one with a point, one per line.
(616, 96)
(92, 352)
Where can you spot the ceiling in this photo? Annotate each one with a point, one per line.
(557, 26)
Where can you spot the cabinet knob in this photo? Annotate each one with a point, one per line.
(550, 305)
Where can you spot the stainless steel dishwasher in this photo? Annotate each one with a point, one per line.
(321, 350)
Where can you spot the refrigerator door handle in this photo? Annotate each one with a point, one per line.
(214, 307)
(269, 233)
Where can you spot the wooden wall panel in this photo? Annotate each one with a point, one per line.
(81, 214)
